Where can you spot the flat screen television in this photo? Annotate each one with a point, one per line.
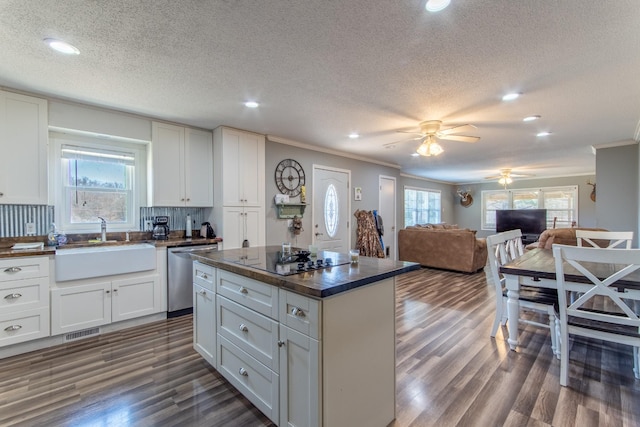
(532, 222)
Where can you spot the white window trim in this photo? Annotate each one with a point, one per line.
(539, 190)
(56, 189)
(410, 187)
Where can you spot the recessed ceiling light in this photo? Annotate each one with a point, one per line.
(530, 118)
(436, 5)
(62, 47)
(511, 96)
(415, 155)
(354, 135)
(251, 104)
(543, 134)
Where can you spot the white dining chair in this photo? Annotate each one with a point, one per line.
(605, 307)
(503, 248)
(617, 239)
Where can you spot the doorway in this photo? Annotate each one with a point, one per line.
(331, 207)
(387, 211)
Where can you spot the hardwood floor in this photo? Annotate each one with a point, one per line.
(450, 372)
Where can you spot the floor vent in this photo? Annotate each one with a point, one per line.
(81, 334)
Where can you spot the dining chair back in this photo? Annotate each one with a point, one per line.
(616, 239)
(503, 248)
(606, 306)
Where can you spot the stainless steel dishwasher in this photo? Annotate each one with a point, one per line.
(180, 278)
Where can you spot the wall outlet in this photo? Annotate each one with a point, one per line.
(148, 225)
(30, 228)
(289, 223)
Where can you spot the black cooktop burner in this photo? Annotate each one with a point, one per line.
(298, 262)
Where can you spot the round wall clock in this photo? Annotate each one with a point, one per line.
(289, 177)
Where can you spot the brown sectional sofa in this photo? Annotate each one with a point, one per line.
(446, 248)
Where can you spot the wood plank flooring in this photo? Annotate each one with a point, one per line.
(450, 373)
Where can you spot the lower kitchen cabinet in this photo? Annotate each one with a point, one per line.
(204, 323)
(24, 299)
(80, 306)
(299, 379)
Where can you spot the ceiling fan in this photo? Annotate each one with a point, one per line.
(430, 130)
(506, 177)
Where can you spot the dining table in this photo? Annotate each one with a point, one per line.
(536, 267)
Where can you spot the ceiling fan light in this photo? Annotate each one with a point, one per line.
(435, 149)
(437, 5)
(423, 149)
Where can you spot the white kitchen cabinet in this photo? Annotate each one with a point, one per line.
(243, 223)
(299, 379)
(181, 167)
(239, 171)
(239, 194)
(23, 140)
(91, 303)
(24, 299)
(204, 323)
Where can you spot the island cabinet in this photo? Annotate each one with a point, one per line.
(181, 167)
(239, 188)
(23, 140)
(24, 299)
(307, 361)
(204, 311)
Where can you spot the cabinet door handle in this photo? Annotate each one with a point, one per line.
(280, 343)
(1, 194)
(243, 327)
(13, 270)
(108, 292)
(243, 290)
(115, 290)
(188, 199)
(243, 372)
(13, 296)
(13, 328)
(298, 312)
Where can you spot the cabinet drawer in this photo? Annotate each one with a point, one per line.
(24, 295)
(258, 296)
(204, 275)
(300, 313)
(255, 381)
(23, 268)
(24, 326)
(252, 332)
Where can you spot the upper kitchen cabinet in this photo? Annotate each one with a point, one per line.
(181, 167)
(23, 140)
(239, 167)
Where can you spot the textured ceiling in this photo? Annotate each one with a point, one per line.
(324, 69)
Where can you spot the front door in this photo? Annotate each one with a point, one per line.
(331, 207)
(387, 211)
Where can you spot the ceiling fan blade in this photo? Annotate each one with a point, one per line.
(461, 138)
(389, 144)
(456, 129)
(414, 132)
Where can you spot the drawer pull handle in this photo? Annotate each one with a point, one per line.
(243, 372)
(13, 328)
(243, 327)
(204, 276)
(280, 343)
(243, 290)
(13, 296)
(203, 293)
(297, 312)
(13, 270)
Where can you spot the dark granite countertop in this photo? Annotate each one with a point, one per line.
(319, 283)
(75, 242)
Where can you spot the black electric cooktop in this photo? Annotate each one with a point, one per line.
(273, 261)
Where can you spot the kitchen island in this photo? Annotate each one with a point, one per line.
(309, 344)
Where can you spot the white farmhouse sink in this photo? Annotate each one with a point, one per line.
(96, 261)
